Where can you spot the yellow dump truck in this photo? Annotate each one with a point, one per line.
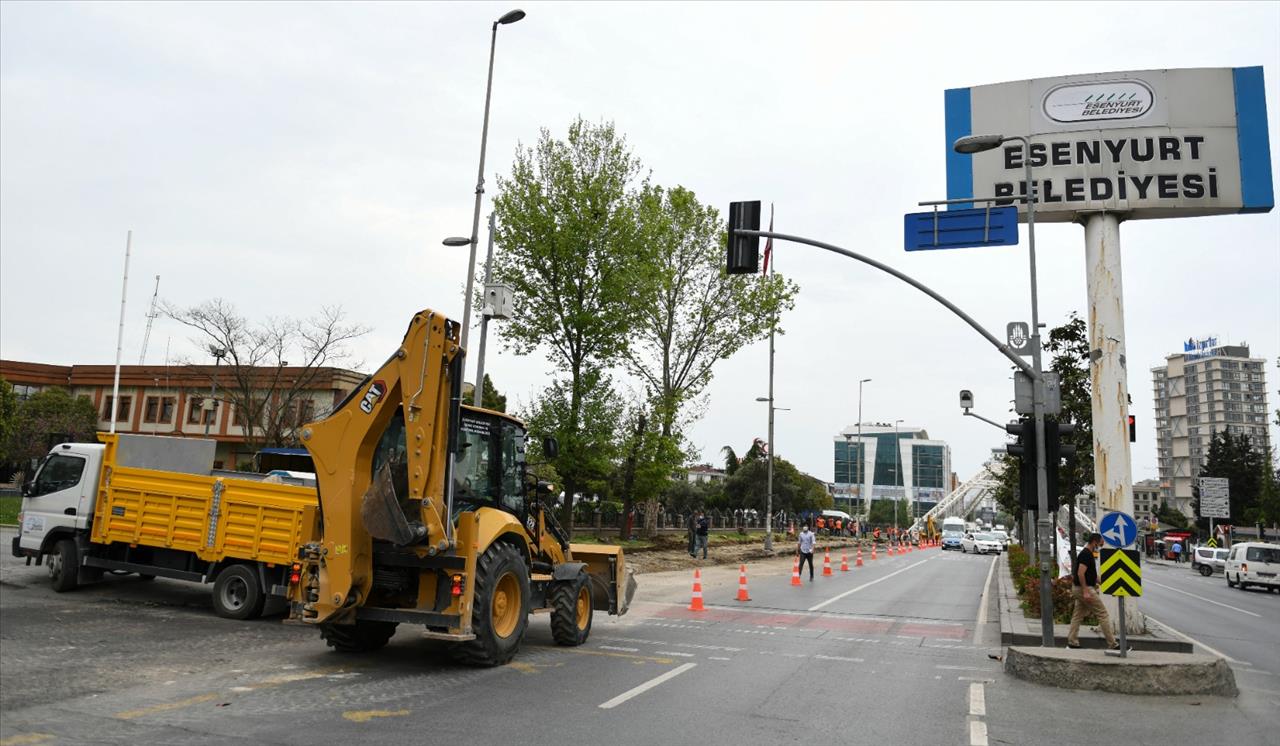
(152, 506)
(430, 518)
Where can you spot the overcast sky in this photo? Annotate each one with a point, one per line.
(287, 156)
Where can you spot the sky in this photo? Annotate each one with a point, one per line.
(289, 156)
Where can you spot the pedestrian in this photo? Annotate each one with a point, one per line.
(703, 526)
(692, 527)
(1177, 552)
(805, 549)
(1084, 592)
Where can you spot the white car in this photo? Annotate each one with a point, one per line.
(1254, 563)
(1002, 537)
(980, 544)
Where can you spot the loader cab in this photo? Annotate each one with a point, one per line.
(488, 470)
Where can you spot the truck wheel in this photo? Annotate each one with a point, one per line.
(361, 637)
(237, 594)
(64, 566)
(571, 611)
(500, 609)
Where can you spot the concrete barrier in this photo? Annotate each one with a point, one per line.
(1142, 672)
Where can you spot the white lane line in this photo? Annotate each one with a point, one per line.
(980, 681)
(839, 658)
(977, 700)
(646, 686)
(672, 652)
(620, 648)
(977, 733)
(982, 600)
(718, 658)
(833, 599)
(1194, 641)
(1202, 598)
(961, 668)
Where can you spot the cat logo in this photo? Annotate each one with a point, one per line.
(372, 396)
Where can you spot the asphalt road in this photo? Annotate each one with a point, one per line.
(890, 652)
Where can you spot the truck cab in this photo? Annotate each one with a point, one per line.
(58, 501)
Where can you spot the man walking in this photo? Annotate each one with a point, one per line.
(805, 549)
(703, 526)
(1084, 592)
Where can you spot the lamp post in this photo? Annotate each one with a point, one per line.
(861, 460)
(478, 398)
(978, 144)
(768, 500)
(897, 470)
(509, 17)
(218, 353)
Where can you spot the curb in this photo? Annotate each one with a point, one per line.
(1142, 673)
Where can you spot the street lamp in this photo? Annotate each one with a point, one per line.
(218, 353)
(897, 470)
(861, 460)
(768, 504)
(509, 17)
(978, 144)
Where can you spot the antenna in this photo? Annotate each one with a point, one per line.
(151, 317)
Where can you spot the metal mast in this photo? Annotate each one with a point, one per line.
(151, 317)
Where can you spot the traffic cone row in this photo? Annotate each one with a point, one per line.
(859, 562)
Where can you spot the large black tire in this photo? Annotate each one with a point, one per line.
(571, 611)
(500, 609)
(64, 566)
(361, 637)
(237, 594)
(1229, 583)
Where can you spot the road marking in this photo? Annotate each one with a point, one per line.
(718, 658)
(1194, 641)
(672, 652)
(651, 659)
(833, 599)
(977, 700)
(977, 733)
(970, 678)
(25, 739)
(620, 649)
(961, 668)
(646, 686)
(1206, 600)
(131, 714)
(364, 716)
(982, 600)
(839, 658)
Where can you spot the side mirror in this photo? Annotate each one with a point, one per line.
(544, 489)
(26, 487)
(550, 448)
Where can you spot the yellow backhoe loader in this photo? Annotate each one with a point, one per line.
(429, 517)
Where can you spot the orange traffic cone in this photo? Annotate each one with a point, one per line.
(826, 562)
(696, 603)
(795, 572)
(858, 563)
(844, 561)
(873, 551)
(742, 583)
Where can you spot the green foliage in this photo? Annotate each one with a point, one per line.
(8, 419)
(792, 490)
(1026, 580)
(489, 396)
(1171, 516)
(10, 506)
(1269, 496)
(1069, 346)
(47, 417)
(587, 439)
(1235, 458)
(881, 513)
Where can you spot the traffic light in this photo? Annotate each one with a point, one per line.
(1025, 451)
(1055, 450)
(743, 251)
(1133, 429)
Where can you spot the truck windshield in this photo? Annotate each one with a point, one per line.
(58, 473)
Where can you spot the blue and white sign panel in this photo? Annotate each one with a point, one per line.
(1118, 529)
(961, 229)
(1151, 143)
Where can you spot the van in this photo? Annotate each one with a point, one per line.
(1208, 560)
(1254, 563)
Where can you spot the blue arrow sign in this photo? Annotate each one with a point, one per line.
(960, 229)
(1118, 529)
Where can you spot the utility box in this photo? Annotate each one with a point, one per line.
(497, 301)
(1023, 399)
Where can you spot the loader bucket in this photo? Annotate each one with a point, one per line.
(612, 582)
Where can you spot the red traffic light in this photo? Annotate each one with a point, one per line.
(1133, 429)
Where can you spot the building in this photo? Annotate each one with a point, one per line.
(869, 465)
(1146, 498)
(177, 401)
(1203, 390)
(704, 473)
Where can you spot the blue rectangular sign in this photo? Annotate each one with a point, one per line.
(961, 229)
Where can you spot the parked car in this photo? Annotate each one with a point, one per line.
(1208, 560)
(951, 539)
(1254, 563)
(979, 544)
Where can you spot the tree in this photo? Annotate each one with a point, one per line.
(1234, 457)
(793, 490)
(8, 420)
(252, 375)
(571, 251)
(692, 313)
(490, 398)
(48, 417)
(881, 513)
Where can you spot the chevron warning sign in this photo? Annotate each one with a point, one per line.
(1120, 572)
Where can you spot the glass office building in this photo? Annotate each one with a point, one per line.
(880, 463)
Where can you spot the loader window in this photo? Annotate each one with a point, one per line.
(513, 468)
(475, 471)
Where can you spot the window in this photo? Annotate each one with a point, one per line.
(122, 412)
(197, 414)
(59, 472)
(158, 409)
(1263, 554)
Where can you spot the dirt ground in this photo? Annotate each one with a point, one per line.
(671, 554)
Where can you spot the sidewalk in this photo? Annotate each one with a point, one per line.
(1017, 629)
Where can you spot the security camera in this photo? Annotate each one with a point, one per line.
(966, 399)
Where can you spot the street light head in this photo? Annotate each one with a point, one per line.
(457, 241)
(865, 380)
(762, 398)
(977, 143)
(511, 16)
